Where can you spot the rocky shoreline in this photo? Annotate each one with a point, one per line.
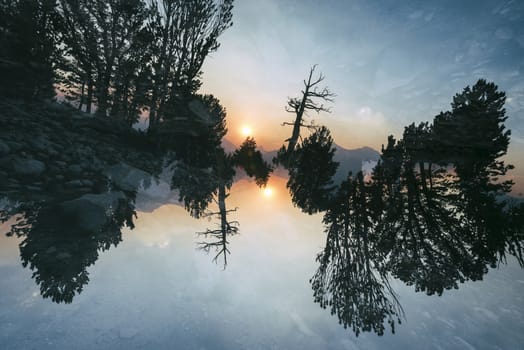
(55, 148)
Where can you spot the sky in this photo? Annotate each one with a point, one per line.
(389, 63)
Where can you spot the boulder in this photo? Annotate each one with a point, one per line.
(128, 178)
(28, 167)
(40, 143)
(75, 169)
(87, 183)
(90, 211)
(15, 146)
(4, 148)
(74, 183)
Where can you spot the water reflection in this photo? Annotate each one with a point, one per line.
(69, 198)
(61, 239)
(220, 234)
(71, 205)
(202, 183)
(433, 237)
(435, 213)
(352, 279)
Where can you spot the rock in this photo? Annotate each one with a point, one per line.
(74, 183)
(4, 148)
(12, 180)
(42, 155)
(84, 190)
(57, 188)
(97, 164)
(6, 162)
(58, 146)
(53, 152)
(87, 183)
(85, 165)
(53, 170)
(79, 186)
(40, 143)
(60, 163)
(15, 146)
(126, 177)
(28, 167)
(75, 169)
(90, 210)
(13, 185)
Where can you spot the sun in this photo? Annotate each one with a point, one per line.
(268, 192)
(246, 131)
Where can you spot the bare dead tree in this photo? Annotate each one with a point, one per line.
(220, 234)
(312, 99)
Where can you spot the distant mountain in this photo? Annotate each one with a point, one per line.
(228, 146)
(153, 193)
(354, 160)
(350, 160)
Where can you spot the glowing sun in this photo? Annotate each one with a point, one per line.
(268, 192)
(246, 131)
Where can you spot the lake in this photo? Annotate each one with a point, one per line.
(155, 289)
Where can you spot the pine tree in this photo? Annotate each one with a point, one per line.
(473, 135)
(310, 173)
(28, 49)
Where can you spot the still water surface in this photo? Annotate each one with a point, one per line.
(156, 290)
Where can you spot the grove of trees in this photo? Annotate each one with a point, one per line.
(120, 58)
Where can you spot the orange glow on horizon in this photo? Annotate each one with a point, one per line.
(271, 135)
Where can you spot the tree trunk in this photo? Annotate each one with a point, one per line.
(103, 95)
(298, 123)
(80, 104)
(152, 114)
(89, 101)
(423, 175)
(430, 176)
(223, 219)
(295, 135)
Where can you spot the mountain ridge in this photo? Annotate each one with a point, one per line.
(350, 160)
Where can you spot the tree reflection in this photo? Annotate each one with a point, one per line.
(351, 280)
(249, 158)
(431, 234)
(200, 184)
(436, 213)
(421, 225)
(225, 228)
(199, 187)
(61, 239)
